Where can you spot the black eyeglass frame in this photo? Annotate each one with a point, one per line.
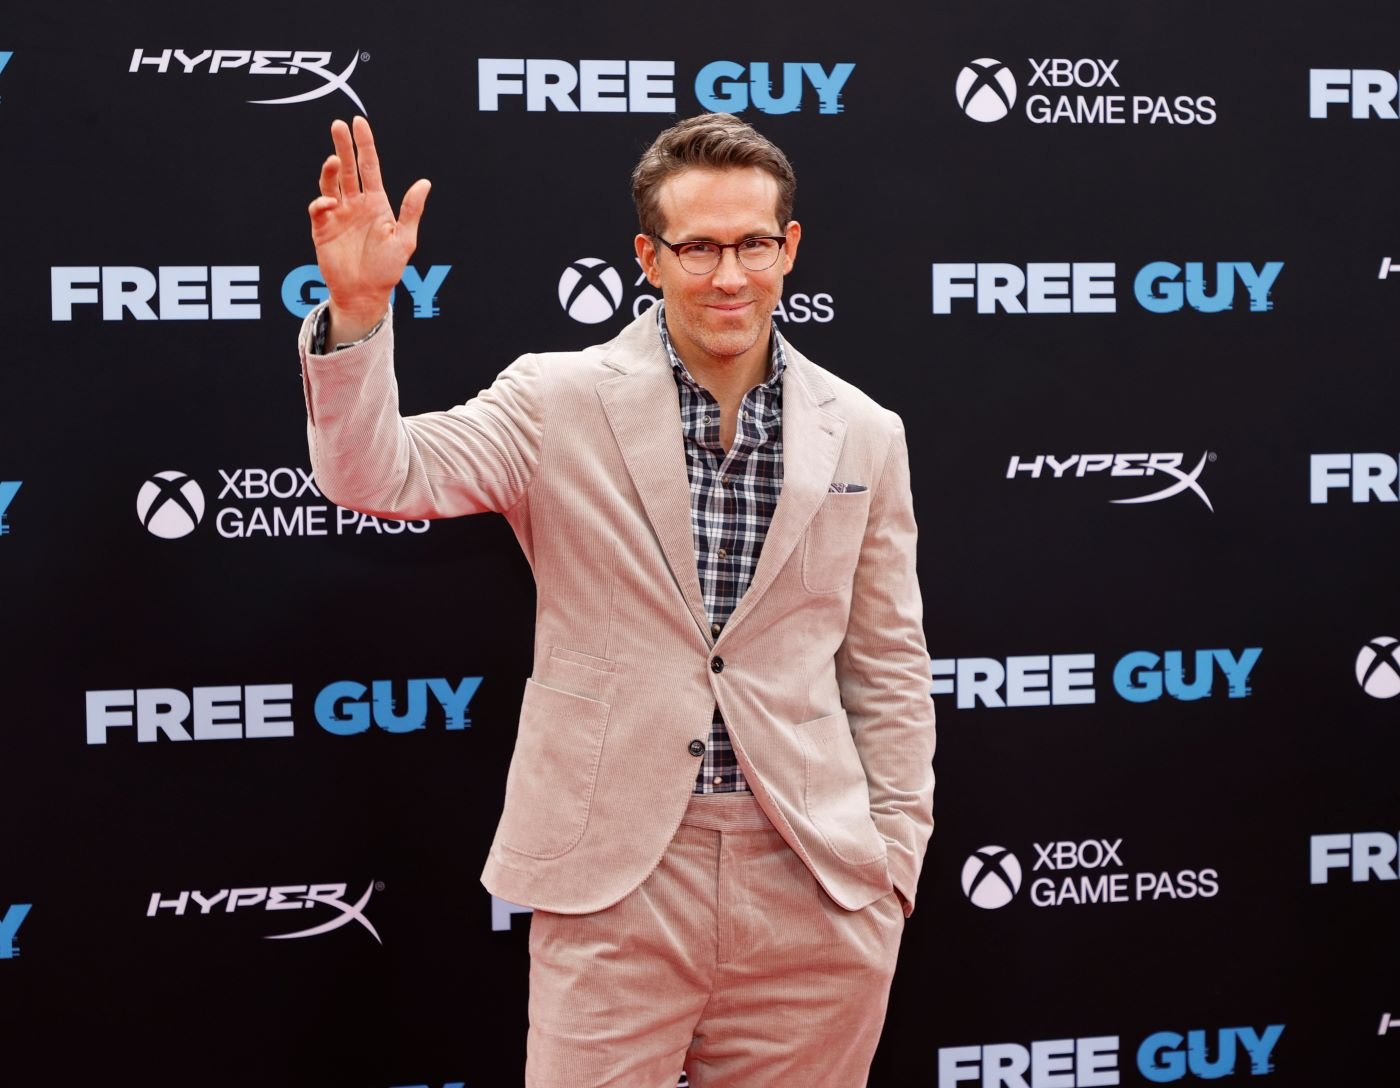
(676, 247)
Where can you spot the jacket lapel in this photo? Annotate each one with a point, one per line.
(812, 440)
(643, 410)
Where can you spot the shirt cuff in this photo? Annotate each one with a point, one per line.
(323, 323)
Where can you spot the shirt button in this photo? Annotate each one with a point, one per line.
(717, 665)
(715, 629)
(722, 553)
(719, 781)
(724, 480)
(697, 748)
(704, 421)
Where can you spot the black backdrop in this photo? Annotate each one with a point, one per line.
(1232, 914)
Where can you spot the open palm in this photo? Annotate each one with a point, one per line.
(360, 247)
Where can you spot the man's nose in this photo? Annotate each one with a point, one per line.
(730, 275)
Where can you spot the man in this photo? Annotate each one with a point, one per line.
(721, 789)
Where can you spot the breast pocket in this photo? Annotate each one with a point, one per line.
(832, 548)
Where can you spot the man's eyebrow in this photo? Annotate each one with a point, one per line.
(760, 233)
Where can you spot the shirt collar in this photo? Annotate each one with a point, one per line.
(777, 356)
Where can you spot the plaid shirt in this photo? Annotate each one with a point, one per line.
(732, 498)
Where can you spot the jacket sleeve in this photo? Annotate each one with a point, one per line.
(478, 456)
(883, 671)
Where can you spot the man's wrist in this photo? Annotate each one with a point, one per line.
(347, 325)
(321, 343)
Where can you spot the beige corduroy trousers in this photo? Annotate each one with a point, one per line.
(729, 962)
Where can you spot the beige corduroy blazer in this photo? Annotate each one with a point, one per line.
(821, 673)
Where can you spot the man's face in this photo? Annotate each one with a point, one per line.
(722, 316)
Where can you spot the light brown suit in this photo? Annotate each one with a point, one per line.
(821, 673)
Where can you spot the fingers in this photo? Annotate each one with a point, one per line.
(330, 176)
(345, 150)
(319, 208)
(369, 157)
(411, 211)
(355, 168)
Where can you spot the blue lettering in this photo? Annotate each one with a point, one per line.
(303, 289)
(339, 712)
(1159, 286)
(1156, 288)
(415, 718)
(828, 87)
(1137, 677)
(455, 700)
(762, 85)
(9, 926)
(8, 490)
(1259, 1048)
(1198, 1060)
(1258, 284)
(298, 293)
(707, 87)
(1237, 672)
(449, 1084)
(423, 289)
(342, 708)
(1138, 686)
(1196, 287)
(1160, 1059)
(721, 86)
(1199, 688)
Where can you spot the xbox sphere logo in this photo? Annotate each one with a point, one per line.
(590, 290)
(170, 504)
(986, 90)
(1377, 670)
(991, 877)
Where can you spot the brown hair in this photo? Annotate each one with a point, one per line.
(711, 141)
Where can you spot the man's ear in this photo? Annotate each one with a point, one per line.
(647, 257)
(794, 236)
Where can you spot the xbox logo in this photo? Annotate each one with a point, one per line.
(1377, 670)
(986, 90)
(991, 877)
(590, 290)
(170, 504)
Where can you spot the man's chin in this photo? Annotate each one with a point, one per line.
(729, 345)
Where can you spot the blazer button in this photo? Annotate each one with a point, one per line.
(717, 665)
(697, 748)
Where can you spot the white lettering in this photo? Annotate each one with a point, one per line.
(214, 713)
(1367, 475)
(1048, 287)
(185, 292)
(1050, 1063)
(602, 86)
(1030, 680)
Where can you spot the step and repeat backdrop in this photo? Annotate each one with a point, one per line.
(1129, 272)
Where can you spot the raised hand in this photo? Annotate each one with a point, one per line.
(361, 248)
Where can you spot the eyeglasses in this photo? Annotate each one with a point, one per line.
(755, 254)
